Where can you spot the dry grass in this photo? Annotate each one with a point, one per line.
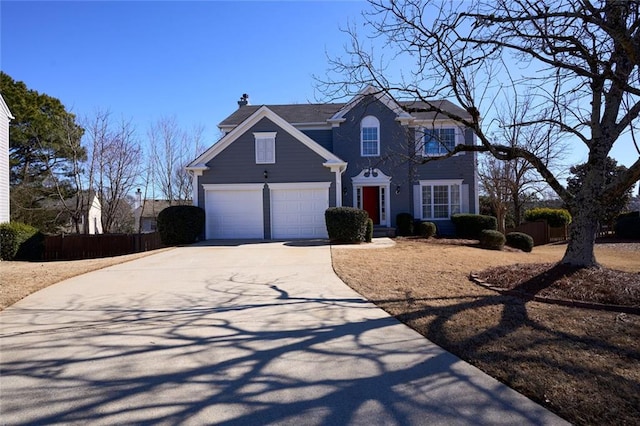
(582, 364)
(20, 279)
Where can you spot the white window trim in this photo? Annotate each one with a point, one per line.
(432, 183)
(268, 136)
(377, 126)
(420, 132)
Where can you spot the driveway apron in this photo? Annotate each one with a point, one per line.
(260, 333)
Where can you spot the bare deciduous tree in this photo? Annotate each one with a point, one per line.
(114, 165)
(171, 149)
(510, 184)
(579, 59)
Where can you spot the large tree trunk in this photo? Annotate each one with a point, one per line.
(582, 239)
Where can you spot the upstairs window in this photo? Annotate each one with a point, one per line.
(370, 137)
(438, 141)
(265, 147)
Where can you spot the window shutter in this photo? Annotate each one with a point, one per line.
(265, 149)
(460, 140)
(417, 201)
(464, 198)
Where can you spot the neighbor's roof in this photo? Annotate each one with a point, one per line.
(320, 113)
(151, 208)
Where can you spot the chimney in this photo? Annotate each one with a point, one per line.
(138, 199)
(244, 100)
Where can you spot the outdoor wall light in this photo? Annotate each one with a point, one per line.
(398, 189)
(344, 190)
(266, 175)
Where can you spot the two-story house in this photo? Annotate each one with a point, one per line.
(279, 167)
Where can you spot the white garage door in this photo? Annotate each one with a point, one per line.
(297, 209)
(234, 211)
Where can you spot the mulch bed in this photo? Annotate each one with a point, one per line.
(557, 281)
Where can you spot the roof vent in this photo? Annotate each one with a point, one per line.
(244, 100)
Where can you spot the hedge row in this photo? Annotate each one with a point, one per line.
(554, 217)
(19, 241)
(471, 225)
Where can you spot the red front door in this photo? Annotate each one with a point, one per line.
(371, 202)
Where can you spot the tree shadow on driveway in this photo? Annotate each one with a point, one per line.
(244, 352)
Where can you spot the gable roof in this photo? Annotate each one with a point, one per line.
(298, 114)
(378, 95)
(293, 113)
(245, 125)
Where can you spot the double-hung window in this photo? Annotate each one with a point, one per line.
(440, 200)
(438, 141)
(370, 137)
(265, 147)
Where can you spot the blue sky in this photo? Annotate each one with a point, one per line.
(146, 60)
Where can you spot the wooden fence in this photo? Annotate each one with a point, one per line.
(80, 246)
(541, 232)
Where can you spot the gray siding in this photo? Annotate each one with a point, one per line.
(323, 137)
(295, 162)
(397, 145)
(393, 153)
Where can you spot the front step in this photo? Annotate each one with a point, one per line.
(383, 231)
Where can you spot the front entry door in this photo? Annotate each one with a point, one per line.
(371, 202)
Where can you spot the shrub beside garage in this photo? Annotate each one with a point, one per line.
(181, 224)
(347, 224)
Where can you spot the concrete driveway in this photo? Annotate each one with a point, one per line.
(240, 334)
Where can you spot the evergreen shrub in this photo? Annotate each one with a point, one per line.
(471, 225)
(520, 240)
(346, 224)
(628, 225)
(555, 218)
(490, 239)
(181, 224)
(427, 229)
(404, 224)
(19, 241)
(369, 234)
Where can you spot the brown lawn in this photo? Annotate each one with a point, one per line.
(583, 364)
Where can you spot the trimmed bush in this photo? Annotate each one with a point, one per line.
(493, 240)
(369, 233)
(180, 224)
(404, 224)
(471, 225)
(427, 229)
(346, 224)
(20, 241)
(520, 241)
(555, 218)
(628, 225)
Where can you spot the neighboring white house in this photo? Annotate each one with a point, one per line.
(5, 118)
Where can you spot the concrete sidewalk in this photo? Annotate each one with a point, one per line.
(240, 334)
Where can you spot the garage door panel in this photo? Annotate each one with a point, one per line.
(299, 212)
(234, 214)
